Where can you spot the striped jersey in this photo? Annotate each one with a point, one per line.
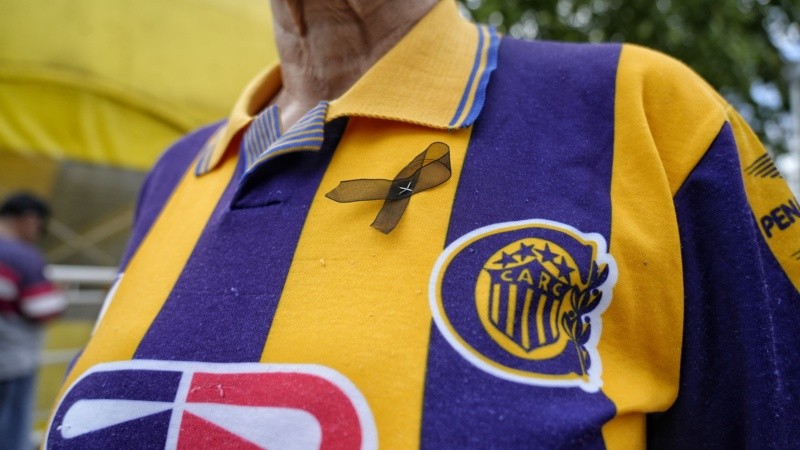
(27, 300)
(610, 259)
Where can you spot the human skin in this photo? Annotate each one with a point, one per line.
(325, 46)
(28, 228)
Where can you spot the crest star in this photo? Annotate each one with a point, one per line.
(525, 251)
(506, 260)
(547, 255)
(563, 269)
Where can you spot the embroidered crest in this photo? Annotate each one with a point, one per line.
(523, 301)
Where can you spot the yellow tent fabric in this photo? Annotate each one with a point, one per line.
(114, 82)
(91, 92)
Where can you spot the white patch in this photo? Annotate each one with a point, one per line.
(43, 305)
(476, 358)
(277, 427)
(272, 428)
(86, 416)
(8, 289)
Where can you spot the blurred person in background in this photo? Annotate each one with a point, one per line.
(27, 301)
(414, 232)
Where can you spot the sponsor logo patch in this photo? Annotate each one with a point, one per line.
(186, 405)
(780, 218)
(523, 301)
(763, 167)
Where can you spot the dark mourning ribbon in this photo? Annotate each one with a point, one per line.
(428, 169)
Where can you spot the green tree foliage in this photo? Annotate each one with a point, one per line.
(731, 43)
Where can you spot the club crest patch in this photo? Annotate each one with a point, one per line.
(523, 301)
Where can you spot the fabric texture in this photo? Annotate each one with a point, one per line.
(601, 269)
(732, 323)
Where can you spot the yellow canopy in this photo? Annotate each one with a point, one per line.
(114, 82)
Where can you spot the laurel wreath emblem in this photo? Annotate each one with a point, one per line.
(577, 322)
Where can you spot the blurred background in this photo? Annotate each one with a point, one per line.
(92, 91)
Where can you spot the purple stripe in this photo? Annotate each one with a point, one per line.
(247, 144)
(310, 127)
(541, 149)
(738, 383)
(288, 148)
(264, 131)
(160, 183)
(312, 130)
(271, 124)
(252, 138)
(23, 261)
(223, 303)
(305, 141)
(306, 128)
(259, 141)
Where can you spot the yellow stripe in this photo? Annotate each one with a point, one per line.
(496, 303)
(656, 157)
(429, 98)
(540, 319)
(512, 308)
(315, 132)
(273, 154)
(641, 340)
(553, 323)
(526, 312)
(765, 196)
(155, 267)
(355, 299)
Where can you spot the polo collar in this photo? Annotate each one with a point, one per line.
(439, 86)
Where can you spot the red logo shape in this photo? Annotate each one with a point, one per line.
(188, 405)
(273, 395)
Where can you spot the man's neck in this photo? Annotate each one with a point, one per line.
(325, 46)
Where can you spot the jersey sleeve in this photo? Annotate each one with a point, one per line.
(9, 289)
(739, 230)
(26, 291)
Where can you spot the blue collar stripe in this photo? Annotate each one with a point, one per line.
(305, 135)
(480, 93)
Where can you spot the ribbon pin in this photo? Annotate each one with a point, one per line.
(428, 169)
